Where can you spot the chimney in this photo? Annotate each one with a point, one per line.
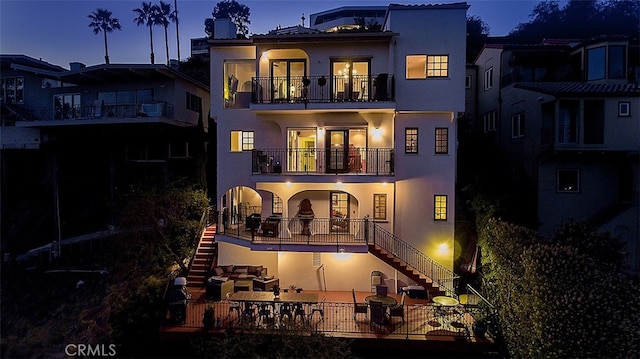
(76, 66)
(224, 29)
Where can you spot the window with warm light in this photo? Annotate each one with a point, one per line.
(276, 204)
(438, 66)
(442, 140)
(237, 79)
(242, 141)
(410, 140)
(416, 66)
(380, 206)
(440, 207)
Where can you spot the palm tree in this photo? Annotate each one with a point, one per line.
(147, 15)
(101, 20)
(164, 16)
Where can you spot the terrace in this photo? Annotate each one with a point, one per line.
(423, 320)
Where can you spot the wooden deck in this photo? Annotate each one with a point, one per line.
(423, 322)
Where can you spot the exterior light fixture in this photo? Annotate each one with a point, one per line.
(376, 133)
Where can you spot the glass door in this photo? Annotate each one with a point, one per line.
(286, 80)
(337, 142)
(302, 155)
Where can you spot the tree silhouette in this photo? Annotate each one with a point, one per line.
(229, 9)
(164, 17)
(147, 15)
(579, 20)
(101, 21)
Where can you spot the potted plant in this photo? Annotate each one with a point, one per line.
(480, 326)
(276, 291)
(207, 319)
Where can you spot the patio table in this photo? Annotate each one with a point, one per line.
(385, 299)
(289, 297)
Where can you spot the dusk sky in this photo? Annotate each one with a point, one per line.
(58, 32)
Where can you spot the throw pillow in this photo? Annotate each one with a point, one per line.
(218, 271)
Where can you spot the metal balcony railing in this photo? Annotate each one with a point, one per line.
(89, 112)
(369, 161)
(318, 89)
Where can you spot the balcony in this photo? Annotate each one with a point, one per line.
(98, 114)
(321, 89)
(306, 161)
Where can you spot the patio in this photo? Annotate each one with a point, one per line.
(423, 319)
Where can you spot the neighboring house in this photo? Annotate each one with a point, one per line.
(565, 114)
(360, 127)
(86, 135)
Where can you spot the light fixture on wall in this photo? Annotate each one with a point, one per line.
(376, 133)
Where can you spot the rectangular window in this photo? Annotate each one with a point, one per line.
(467, 81)
(194, 103)
(440, 207)
(517, 125)
(410, 140)
(568, 180)
(490, 122)
(617, 63)
(276, 204)
(416, 67)
(568, 122)
(488, 78)
(624, 109)
(236, 84)
(241, 141)
(12, 90)
(442, 140)
(66, 106)
(593, 122)
(596, 63)
(437, 66)
(380, 206)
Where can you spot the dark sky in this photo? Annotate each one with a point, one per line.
(58, 31)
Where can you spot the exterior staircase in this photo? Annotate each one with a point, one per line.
(432, 288)
(417, 266)
(206, 255)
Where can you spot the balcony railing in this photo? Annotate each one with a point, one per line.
(89, 112)
(369, 161)
(319, 89)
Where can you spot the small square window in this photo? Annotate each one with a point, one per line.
(416, 66)
(624, 109)
(568, 180)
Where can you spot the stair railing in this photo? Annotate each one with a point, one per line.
(414, 258)
(195, 242)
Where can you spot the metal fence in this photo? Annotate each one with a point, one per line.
(371, 161)
(330, 317)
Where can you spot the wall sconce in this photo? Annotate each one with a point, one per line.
(376, 133)
(265, 55)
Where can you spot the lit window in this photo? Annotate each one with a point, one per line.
(241, 141)
(416, 66)
(410, 140)
(568, 180)
(380, 206)
(488, 78)
(517, 125)
(276, 204)
(440, 207)
(442, 140)
(437, 66)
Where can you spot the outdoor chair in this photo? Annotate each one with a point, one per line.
(377, 313)
(234, 306)
(318, 308)
(299, 312)
(286, 309)
(358, 308)
(398, 310)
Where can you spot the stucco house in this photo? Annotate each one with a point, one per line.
(331, 141)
